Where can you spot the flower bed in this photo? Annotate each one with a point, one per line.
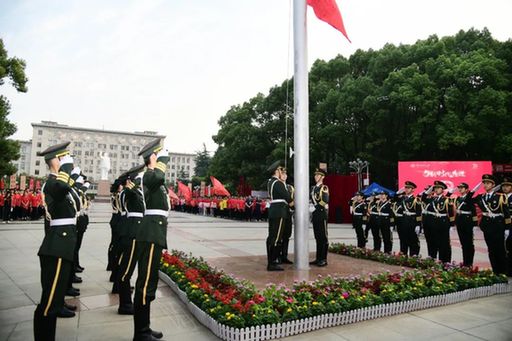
(222, 301)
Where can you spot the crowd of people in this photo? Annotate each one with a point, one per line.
(16, 204)
(240, 208)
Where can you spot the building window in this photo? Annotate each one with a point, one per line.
(173, 167)
(38, 163)
(188, 160)
(36, 172)
(39, 132)
(39, 144)
(188, 167)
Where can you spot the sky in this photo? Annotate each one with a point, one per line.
(177, 66)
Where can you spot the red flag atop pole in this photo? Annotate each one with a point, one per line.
(184, 190)
(173, 195)
(218, 187)
(328, 11)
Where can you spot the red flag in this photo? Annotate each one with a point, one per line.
(184, 190)
(218, 187)
(31, 184)
(328, 11)
(2, 184)
(173, 195)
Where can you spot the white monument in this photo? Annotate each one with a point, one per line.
(104, 166)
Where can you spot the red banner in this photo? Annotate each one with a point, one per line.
(31, 184)
(38, 184)
(2, 184)
(12, 181)
(452, 173)
(184, 191)
(218, 187)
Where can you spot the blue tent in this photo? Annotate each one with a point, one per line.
(375, 187)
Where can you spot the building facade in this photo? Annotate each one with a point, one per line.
(181, 166)
(23, 163)
(88, 146)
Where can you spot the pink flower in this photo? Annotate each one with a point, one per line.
(345, 294)
(289, 300)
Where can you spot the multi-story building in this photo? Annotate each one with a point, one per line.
(23, 163)
(181, 167)
(88, 146)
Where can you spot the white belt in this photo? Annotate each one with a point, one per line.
(63, 221)
(464, 212)
(384, 214)
(275, 201)
(399, 215)
(357, 213)
(410, 214)
(123, 213)
(156, 212)
(492, 215)
(438, 215)
(135, 214)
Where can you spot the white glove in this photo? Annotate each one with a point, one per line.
(87, 184)
(311, 208)
(507, 232)
(80, 179)
(76, 170)
(162, 152)
(451, 229)
(364, 226)
(475, 228)
(66, 160)
(326, 206)
(417, 229)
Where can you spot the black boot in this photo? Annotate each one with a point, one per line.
(125, 299)
(65, 313)
(70, 306)
(284, 253)
(317, 256)
(141, 318)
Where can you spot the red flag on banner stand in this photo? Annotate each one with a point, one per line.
(218, 187)
(184, 190)
(173, 195)
(328, 11)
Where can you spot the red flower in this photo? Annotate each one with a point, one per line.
(192, 274)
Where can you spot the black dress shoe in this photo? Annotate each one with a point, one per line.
(321, 263)
(125, 310)
(157, 334)
(65, 313)
(145, 337)
(274, 267)
(287, 261)
(77, 279)
(79, 270)
(72, 292)
(80, 267)
(77, 289)
(69, 306)
(315, 262)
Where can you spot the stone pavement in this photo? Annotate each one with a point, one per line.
(217, 240)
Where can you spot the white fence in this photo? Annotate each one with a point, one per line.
(273, 331)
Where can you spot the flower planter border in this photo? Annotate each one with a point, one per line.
(267, 332)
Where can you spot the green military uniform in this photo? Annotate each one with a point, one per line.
(408, 225)
(384, 220)
(133, 203)
(320, 199)
(151, 239)
(465, 220)
(359, 210)
(288, 227)
(508, 242)
(277, 215)
(114, 222)
(495, 220)
(121, 234)
(57, 248)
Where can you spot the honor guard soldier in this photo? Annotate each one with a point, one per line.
(115, 189)
(495, 220)
(385, 220)
(506, 187)
(57, 248)
(373, 226)
(121, 232)
(320, 199)
(151, 237)
(134, 206)
(410, 225)
(427, 219)
(359, 210)
(465, 220)
(288, 225)
(277, 214)
(442, 213)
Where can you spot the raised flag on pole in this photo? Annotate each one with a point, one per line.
(218, 187)
(185, 191)
(173, 195)
(328, 11)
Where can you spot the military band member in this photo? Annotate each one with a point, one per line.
(320, 199)
(359, 209)
(443, 218)
(495, 220)
(133, 203)
(506, 187)
(465, 220)
(277, 214)
(385, 220)
(288, 225)
(411, 221)
(57, 248)
(151, 237)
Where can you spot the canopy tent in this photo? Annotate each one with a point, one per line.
(375, 187)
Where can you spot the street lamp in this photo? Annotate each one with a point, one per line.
(358, 165)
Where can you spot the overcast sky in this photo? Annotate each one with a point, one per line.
(176, 66)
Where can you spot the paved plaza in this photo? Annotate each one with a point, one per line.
(217, 240)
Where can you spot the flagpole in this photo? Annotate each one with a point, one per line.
(301, 136)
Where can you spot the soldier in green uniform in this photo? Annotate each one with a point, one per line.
(385, 219)
(151, 237)
(56, 251)
(121, 233)
(115, 189)
(133, 204)
(465, 220)
(506, 187)
(410, 225)
(277, 213)
(320, 199)
(495, 221)
(288, 225)
(359, 210)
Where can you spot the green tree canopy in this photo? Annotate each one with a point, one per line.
(12, 69)
(444, 98)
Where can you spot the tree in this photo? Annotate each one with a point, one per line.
(444, 98)
(202, 159)
(14, 70)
